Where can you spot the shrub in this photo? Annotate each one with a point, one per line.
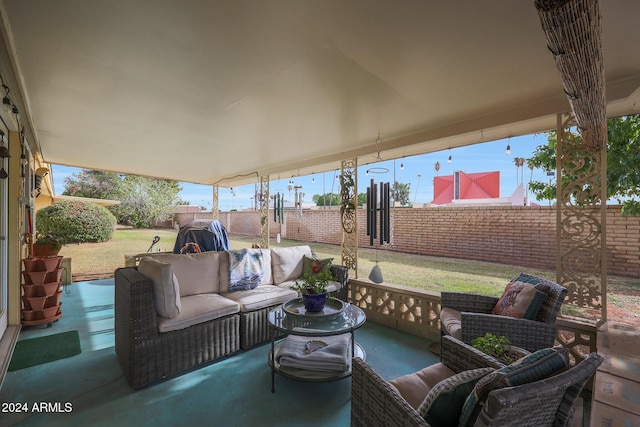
(75, 222)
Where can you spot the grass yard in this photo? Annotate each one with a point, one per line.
(418, 271)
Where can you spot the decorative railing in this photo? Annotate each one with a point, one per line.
(417, 311)
(411, 310)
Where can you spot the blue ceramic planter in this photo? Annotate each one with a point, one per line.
(314, 303)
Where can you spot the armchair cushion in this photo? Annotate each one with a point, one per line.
(520, 300)
(451, 322)
(536, 366)
(415, 386)
(443, 404)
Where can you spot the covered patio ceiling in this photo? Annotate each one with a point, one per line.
(220, 92)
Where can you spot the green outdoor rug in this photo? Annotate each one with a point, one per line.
(35, 351)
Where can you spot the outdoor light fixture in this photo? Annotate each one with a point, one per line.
(508, 150)
(449, 159)
(402, 166)
(6, 102)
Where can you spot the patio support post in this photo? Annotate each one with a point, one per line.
(263, 207)
(349, 214)
(581, 219)
(214, 207)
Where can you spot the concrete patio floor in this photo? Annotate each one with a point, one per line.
(232, 392)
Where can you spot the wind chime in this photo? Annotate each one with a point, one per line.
(278, 208)
(379, 205)
(298, 198)
(378, 208)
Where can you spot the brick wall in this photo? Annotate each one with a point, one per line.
(511, 235)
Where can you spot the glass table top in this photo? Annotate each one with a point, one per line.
(349, 319)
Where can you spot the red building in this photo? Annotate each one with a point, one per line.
(463, 186)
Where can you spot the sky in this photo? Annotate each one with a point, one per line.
(418, 171)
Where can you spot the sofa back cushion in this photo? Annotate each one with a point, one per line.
(286, 263)
(267, 279)
(196, 273)
(166, 291)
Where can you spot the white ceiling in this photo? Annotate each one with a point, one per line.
(223, 91)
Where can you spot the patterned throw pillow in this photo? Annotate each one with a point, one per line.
(520, 300)
(443, 405)
(534, 367)
(245, 269)
(314, 265)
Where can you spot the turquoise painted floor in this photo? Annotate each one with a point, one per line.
(233, 392)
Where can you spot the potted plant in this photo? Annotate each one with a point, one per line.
(47, 245)
(498, 347)
(313, 286)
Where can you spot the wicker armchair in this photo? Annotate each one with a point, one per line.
(476, 318)
(375, 402)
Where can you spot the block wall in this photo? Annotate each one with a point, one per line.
(510, 235)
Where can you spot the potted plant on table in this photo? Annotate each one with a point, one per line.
(498, 347)
(313, 286)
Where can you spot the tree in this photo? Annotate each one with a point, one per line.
(145, 200)
(327, 199)
(331, 199)
(623, 160)
(142, 200)
(93, 184)
(401, 193)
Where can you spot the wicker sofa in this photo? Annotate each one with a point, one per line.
(186, 316)
(546, 402)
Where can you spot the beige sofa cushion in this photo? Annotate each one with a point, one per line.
(286, 263)
(196, 273)
(166, 292)
(261, 297)
(197, 309)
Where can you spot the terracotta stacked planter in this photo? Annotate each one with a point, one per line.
(41, 291)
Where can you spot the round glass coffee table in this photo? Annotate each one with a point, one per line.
(290, 318)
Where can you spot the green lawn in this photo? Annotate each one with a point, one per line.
(419, 271)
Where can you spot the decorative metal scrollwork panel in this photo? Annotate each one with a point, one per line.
(263, 206)
(348, 214)
(214, 208)
(581, 224)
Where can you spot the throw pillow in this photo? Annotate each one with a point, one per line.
(314, 265)
(166, 292)
(245, 269)
(520, 300)
(443, 404)
(534, 367)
